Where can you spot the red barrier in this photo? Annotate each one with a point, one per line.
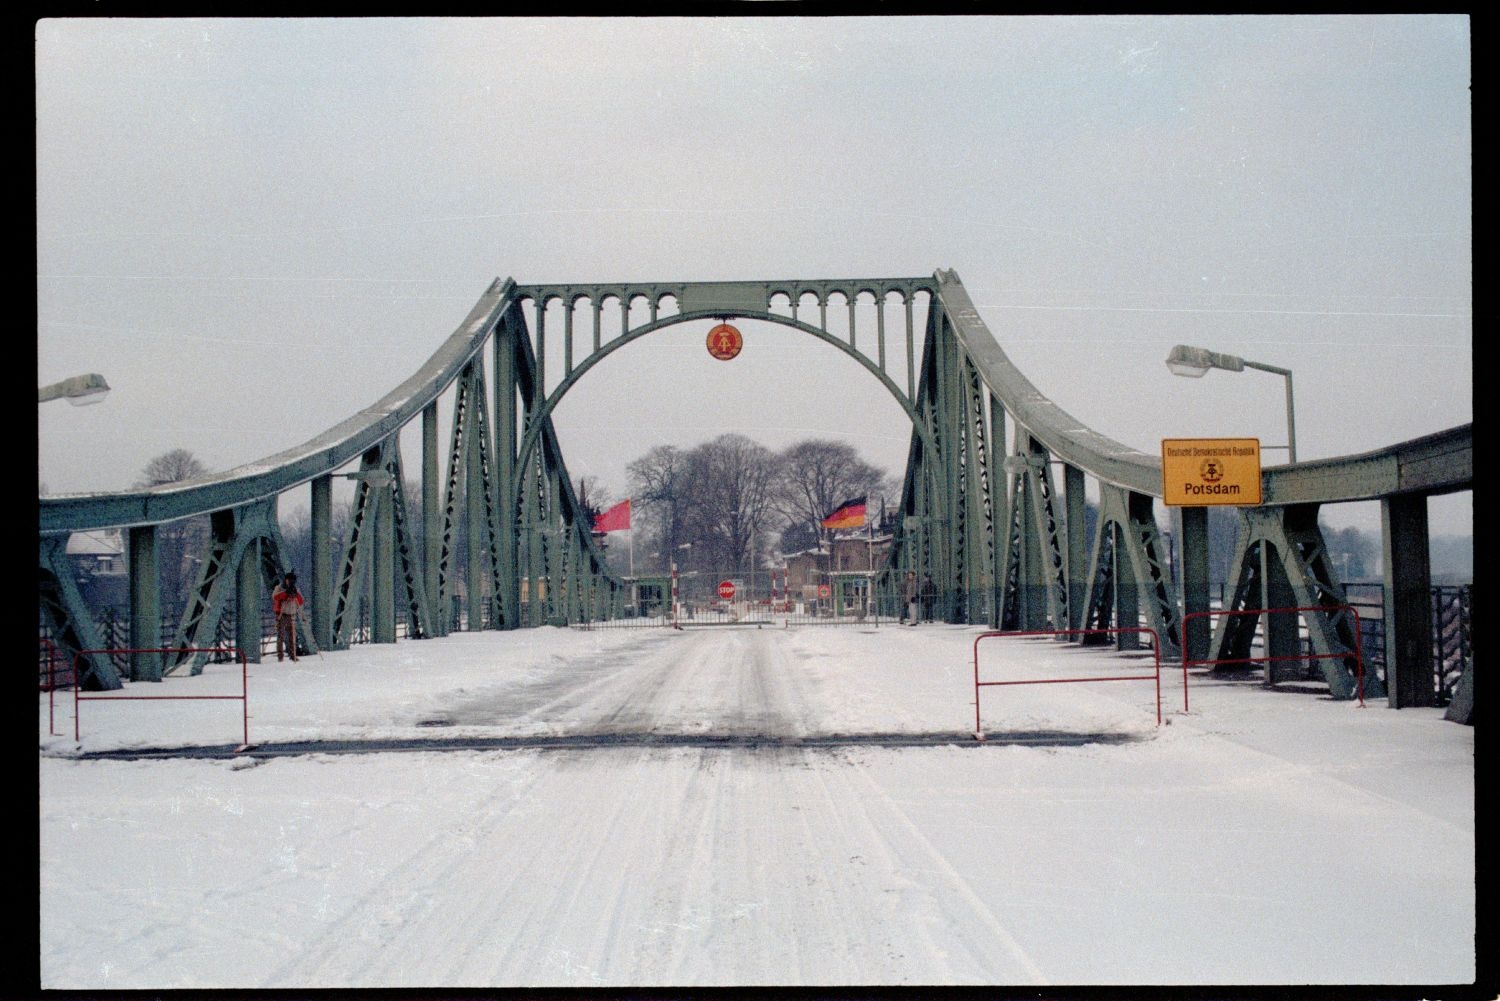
(1359, 659)
(51, 687)
(1155, 649)
(244, 695)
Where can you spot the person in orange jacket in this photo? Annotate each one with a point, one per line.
(286, 605)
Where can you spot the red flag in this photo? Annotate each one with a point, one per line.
(850, 514)
(616, 519)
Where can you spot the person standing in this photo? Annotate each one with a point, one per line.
(286, 605)
(909, 593)
(929, 597)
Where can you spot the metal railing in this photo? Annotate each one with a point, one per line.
(1452, 625)
(1071, 634)
(1308, 658)
(243, 697)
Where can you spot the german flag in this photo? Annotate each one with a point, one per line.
(850, 514)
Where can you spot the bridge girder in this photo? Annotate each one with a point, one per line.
(1003, 549)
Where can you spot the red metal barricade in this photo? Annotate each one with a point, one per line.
(51, 686)
(1359, 659)
(243, 697)
(1155, 649)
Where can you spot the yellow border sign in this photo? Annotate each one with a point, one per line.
(1198, 472)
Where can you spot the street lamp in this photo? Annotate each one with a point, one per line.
(80, 390)
(1195, 362)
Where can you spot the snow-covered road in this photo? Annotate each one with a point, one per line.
(1266, 838)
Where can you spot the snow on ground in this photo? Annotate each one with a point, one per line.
(1266, 837)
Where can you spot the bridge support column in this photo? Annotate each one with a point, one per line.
(321, 571)
(1000, 513)
(1192, 539)
(383, 575)
(1031, 578)
(1408, 605)
(506, 574)
(1076, 523)
(1281, 629)
(247, 585)
(474, 513)
(432, 521)
(1127, 591)
(949, 423)
(145, 603)
(557, 608)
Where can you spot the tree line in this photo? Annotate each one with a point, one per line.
(721, 506)
(729, 503)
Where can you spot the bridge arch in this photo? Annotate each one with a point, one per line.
(541, 411)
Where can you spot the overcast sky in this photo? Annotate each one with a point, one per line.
(254, 228)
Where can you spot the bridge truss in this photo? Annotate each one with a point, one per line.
(1000, 528)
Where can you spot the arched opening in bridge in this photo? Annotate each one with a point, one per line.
(784, 387)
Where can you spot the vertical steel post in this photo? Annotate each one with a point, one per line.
(540, 393)
(539, 551)
(1281, 633)
(383, 585)
(1408, 609)
(247, 587)
(1127, 587)
(1076, 523)
(949, 416)
(321, 570)
(999, 511)
(1031, 603)
(474, 521)
(145, 603)
(507, 575)
(976, 564)
(556, 606)
(432, 520)
(911, 351)
(1192, 542)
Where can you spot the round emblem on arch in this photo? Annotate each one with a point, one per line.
(724, 342)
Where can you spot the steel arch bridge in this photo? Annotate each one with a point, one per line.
(1005, 545)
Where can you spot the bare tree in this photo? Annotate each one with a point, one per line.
(814, 476)
(658, 483)
(171, 467)
(177, 540)
(728, 511)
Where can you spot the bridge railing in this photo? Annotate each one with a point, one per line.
(1071, 635)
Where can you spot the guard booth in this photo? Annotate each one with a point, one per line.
(650, 596)
(851, 593)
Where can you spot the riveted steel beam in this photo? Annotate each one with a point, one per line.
(72, 626)
(278, 473)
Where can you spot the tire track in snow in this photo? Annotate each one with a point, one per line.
(877, 798)
(326, 961)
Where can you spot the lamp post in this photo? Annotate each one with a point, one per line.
(1194, 362)
(80, 390)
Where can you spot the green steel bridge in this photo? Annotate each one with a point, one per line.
(987, 520)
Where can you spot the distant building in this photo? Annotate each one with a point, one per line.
(100, 568)
(849, 552)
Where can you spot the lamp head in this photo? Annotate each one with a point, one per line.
(1195, 362)
(80, 390)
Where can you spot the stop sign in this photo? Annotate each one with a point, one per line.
(726, 589)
